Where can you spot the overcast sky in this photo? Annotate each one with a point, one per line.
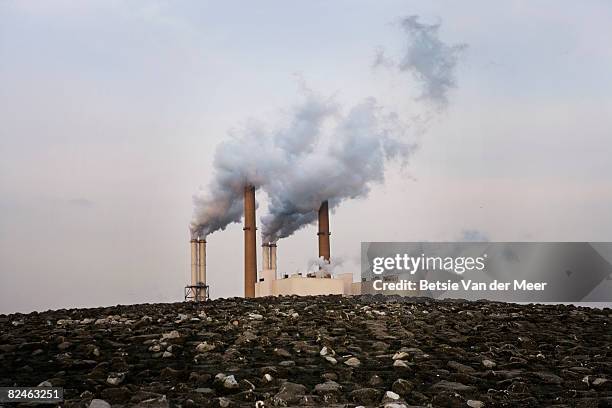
(110, 112)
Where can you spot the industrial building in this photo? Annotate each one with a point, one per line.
(268, 282)
(317, 283)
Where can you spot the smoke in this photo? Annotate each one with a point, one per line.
(343, 165)
(301, 164)
(321, 151)
(320, 264)
(473, 235)
(431, 61)
(254, 156)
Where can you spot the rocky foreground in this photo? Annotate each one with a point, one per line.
(317, 351)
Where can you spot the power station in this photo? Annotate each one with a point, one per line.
(320, 282)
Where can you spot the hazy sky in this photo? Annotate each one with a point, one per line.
(110, 112)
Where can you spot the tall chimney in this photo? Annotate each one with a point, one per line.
(324, 231)
(202, 261)
(250, 239)
(194, 262)
(273, 257)
(265, 261)
(268, 256)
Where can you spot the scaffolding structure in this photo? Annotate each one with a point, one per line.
(197, 293)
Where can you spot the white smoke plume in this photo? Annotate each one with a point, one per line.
(431, 61)
(316, 265)
(321, 152)
(343, 165)
(253, 156)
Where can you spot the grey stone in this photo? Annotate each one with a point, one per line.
(289, 393)
(452, 387)
(328, 387)
(353, 362)
(402, 387)
(366, 396)
(98, 403)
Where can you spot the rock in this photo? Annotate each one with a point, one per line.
(599, 381)
(400, 364)
(379, 346)
(475, 404)
(390, 396)
(140, 396)
(269, 370)
(169, 373)
(452, 387)
(115, 378)
(289, 393)
(93, 350)
(366, 396)
(245, 338)
(158, 402)
(182, 317)
(171, 335)
(375, 380)
(246, 385)
(488, 363)
(205, 391)
(224, 402)
(401, 355)
(98, 403)
(204, 347)
(326, 351)
(328, 387)
(255, 316)
(461, 368)
(448, 399)
(455, 337)
(402, 387)
(331, 360)
(353, 362)
(230, 383)
(330, 376)
(167, 354)
(88, 395)
(329, 391)
(282, 353)
(63, 322)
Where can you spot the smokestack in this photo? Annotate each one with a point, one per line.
(250, 239)
(273, 258)
(265, 261)
(202, 261)
(194, 262)
(269, 256)
(323, 234)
